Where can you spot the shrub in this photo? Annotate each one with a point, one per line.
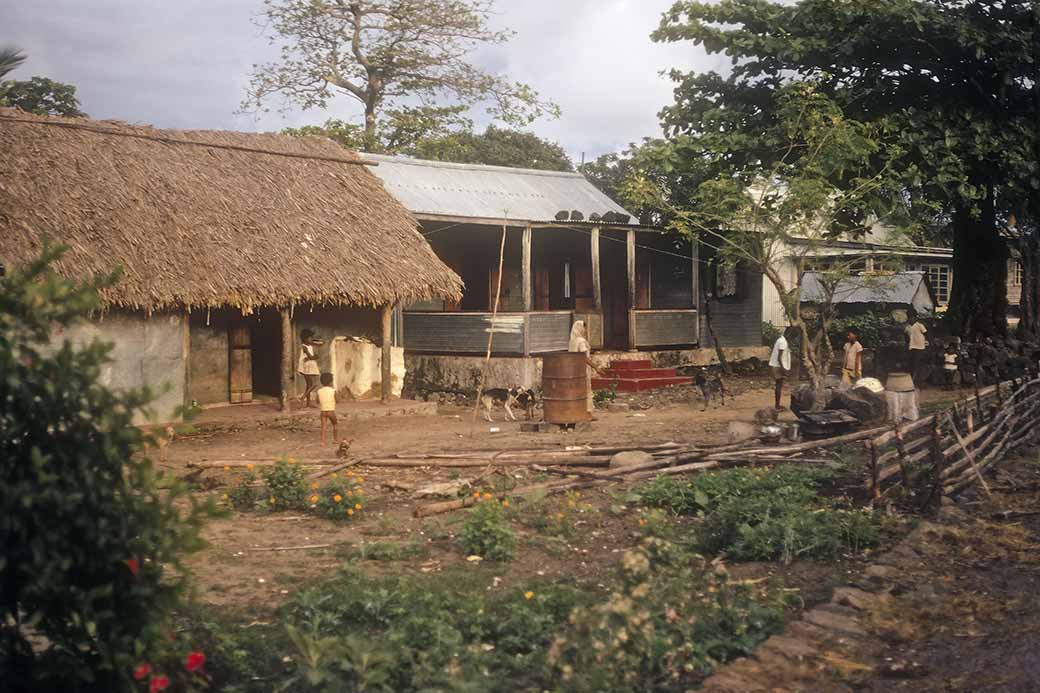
(664, 629)
(486, 533)
(338, 499)
(243, 496)
(286, 484)
(763, 515)
(770, 333)
(870, 326)
(91, 565)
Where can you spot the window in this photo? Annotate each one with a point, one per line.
(1014, 272)
(726, 280)
(940, 278)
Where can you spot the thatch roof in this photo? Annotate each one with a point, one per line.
(194, 225)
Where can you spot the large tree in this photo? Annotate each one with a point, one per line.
(41, 96)
(388, 54)
(951, 81)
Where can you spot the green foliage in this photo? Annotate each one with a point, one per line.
(41, 96)
(764, 515)
(770, 333)
(664, 629)
(286, 485)
(91, 566)
(10, 60)
(338, 499)
(347, 134)
(243, 496)
(869, 325)
(496, 147)
(486, 533)
(389, 551)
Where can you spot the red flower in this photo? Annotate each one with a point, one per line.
(195, 661)
(159, 683)
(142, 670)
(133, 564)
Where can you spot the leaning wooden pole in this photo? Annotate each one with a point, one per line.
(494, 318)
(385, 362)
(287, 357)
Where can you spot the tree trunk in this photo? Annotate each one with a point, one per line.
(1029, 325)
(370, 137)
(978, 301)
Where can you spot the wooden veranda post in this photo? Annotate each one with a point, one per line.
(386, 315)
(287, 359)
(597, 287)
(632, 289)
(526, 269)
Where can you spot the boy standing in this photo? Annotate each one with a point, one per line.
(780, 365)
(327, 402)
(852, 366)
(950, 366)
(916, 344)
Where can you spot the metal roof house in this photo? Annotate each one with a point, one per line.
(568, 252)
(901, 290)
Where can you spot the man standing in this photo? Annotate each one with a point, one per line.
(915, 334)
(780, 364)
(852, 366)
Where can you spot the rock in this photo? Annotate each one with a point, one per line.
(835, 622)
(857, 598)
(629, 458)
(739, 431)
(869, 407)
(883, 572)
(792, 648)
(618, 407)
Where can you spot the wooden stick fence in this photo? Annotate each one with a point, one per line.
(951, 449)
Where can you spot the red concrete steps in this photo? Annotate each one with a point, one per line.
(637, 375)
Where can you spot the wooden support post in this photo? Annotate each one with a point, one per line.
(186, 358)
(597, 287)
(385, 370)
(631, 289)
(287, 359)
(695, 280)
(526, 269)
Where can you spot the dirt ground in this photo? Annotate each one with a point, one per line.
(239, 570)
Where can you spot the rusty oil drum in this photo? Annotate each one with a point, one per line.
(565, 388)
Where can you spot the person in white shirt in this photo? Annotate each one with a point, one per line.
(916, 344)
(308, 365)
(780, 363)
(852, 366)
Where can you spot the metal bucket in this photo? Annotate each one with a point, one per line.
(565, 388)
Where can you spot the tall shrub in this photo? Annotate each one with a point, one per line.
(90, 547)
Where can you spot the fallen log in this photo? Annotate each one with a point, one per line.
(214, 464)
(810, 445)
(337, 468)
(582, 461)
(292, 548)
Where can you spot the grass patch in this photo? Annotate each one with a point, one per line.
(388, 551)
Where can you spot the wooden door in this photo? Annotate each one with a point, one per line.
(541, 289)
(642, 286)
(241, 364)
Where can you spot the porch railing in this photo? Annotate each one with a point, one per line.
(515, 334)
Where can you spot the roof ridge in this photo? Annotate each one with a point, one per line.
(431, 163)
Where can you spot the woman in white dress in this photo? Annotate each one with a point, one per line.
(308, 365)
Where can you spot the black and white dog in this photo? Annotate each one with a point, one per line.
(711, 387)
(507, 398)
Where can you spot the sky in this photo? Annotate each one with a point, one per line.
(185, 64)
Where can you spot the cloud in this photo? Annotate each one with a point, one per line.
(186, 64)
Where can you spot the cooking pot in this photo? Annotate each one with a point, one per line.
(899, 382)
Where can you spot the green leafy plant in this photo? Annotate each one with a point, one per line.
(243, 496)
(388, 551)
(770, 333)
(340, 499)
(664, 628)
(486, 533)
(286, 484)
(93, 536)
(764, 515)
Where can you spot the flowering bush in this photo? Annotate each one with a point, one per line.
(286, 486)
(486, 532)
(91, 565)
(340, 498)
(243, 496)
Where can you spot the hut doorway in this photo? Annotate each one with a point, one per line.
(254, 359)
(613, 261)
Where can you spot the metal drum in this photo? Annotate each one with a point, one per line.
(565, 388)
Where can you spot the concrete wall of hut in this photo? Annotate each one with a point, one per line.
(327, 324)
(146, 352)
(208, 378)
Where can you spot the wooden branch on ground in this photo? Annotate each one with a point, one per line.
(337, 468)
(292, 548)
(215, 464)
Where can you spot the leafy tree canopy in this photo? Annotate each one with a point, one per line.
(385, 54)
(41, 96)
(950, 82)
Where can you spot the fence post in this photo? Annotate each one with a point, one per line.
(875, 490)
(938, 463)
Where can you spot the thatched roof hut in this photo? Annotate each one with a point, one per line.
(209, 223)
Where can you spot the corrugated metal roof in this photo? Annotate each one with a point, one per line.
(900, 287)
(489, 192)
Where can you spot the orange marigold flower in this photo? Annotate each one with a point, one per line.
(314, 499)
(314, 486)
(337, 498)
(350, 511)
(250, 466)
(487, 496)
(528, 595)
(505, 504)
(357, 506)
(476, 494)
